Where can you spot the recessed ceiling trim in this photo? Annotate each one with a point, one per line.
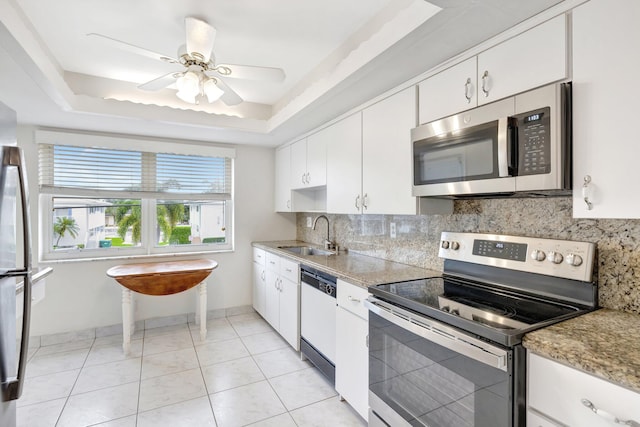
(367, 44)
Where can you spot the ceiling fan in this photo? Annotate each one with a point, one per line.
(201, 75)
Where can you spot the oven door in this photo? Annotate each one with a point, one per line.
(425, 373)
(468, 153)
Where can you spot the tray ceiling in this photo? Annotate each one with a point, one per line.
(335, 54)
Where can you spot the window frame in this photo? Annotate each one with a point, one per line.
(148, 246)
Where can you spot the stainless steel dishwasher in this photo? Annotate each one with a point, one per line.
(318, 319)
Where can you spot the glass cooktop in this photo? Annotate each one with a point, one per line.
(450, 298)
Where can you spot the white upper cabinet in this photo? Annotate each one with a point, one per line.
(605, 69)
(309, 161)
(317, 158)
(387, 155)
(344, 166)
(283, 179)
(529, 60)
(369, 159)
(449, 92)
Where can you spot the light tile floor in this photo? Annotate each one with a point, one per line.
(244, 373)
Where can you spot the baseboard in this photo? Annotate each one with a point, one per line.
(156, 322)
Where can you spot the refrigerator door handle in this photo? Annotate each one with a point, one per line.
(13, 156)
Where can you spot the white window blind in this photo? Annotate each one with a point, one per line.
(109, 172)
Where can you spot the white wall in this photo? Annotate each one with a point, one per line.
(79, 295)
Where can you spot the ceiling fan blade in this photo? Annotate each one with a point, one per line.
(158, 83)
(200, 37)
(135, 49)
(252, 72)
(230, 97)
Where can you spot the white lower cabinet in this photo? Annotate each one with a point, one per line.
(282, 298)
(352, 353)
(558, 395)
(259, 279)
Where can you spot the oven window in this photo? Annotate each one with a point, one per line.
(470, 154)
(429, 385)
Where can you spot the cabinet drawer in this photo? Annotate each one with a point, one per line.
(351, 298)
(289, 270)
(259, 256)
(557, 391)
(273, 262)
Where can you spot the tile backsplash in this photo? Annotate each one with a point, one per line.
(417, 237)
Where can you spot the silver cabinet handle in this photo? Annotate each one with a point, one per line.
(608, 416)
(365, 201)
(288, 204)
(308, 178)
(262, 275)
(352, 299)
(303, 178)
(13, 156)
(467, 95)
(485, 79)
(288, 270)
(585, 191)
(358, 202)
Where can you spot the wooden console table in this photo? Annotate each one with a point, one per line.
(162, 278)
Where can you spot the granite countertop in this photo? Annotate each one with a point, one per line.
(357, 269)
(605, 343)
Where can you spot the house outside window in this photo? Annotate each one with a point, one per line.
(112, 202)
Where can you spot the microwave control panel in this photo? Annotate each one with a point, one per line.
(534, 142)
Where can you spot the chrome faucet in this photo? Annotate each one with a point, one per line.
(328, 244)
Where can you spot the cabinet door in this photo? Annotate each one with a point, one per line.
(449, 92)
(259, 288)
(299, 164)
(387, 155)
(317, 158)
(557, 391)
(344, 166)
(272, 299)
(529, 60)
(283, 179)
(352, 360)
(289, 313)
(605, 65)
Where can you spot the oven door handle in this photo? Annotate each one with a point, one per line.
(440, 334)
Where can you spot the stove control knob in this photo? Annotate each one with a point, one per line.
(555, 257)
(455, 245)
(538, 255)
(445, 308)
(455, 312)
(445, 244)
(573, 259)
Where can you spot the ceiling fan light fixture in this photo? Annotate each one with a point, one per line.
(211, 89)
(188, 87)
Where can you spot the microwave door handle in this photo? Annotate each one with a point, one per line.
(512, 146)
(503, 147)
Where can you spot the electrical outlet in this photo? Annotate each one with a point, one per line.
(308, 222)
(392, 230)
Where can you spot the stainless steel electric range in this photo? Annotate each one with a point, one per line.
(446, 351)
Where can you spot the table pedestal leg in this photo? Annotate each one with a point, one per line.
(201, 311)
(126, 320)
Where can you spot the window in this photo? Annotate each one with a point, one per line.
(109, 202)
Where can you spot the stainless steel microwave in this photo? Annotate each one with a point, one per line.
(519, 146)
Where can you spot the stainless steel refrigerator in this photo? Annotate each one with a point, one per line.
(15, 267)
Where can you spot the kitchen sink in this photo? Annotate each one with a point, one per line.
(306, 250)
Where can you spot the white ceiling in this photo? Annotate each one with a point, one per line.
(336, 54)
